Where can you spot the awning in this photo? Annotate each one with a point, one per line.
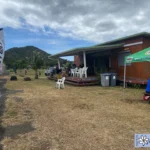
(140, 56)
(91, 49)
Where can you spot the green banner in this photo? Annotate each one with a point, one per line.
(143, 55)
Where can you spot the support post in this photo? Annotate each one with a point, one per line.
(124, 82)
(84, 60)
(58, 63)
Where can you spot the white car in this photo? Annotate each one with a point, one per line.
(50, 71)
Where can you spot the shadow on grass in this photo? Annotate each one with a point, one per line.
(10, 131)
(18, 99)
(84, 106)
(2, 107)
(134, 101)
(14, 131)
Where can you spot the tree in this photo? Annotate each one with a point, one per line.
(67, 65)
(37, 63)
(21, 64)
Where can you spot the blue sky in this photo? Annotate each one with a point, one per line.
(58, 25)
(51, 43)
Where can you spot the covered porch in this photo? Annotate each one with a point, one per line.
(95, 58)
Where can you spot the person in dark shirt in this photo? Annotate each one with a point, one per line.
(57, 69)
(81, 65)
(74, 66)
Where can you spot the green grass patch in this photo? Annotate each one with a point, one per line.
(12, 113)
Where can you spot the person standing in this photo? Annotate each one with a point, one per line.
(25, 71)
(58, 72)
(15, 69)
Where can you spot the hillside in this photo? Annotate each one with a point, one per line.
(26, 53)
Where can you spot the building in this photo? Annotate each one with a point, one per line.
(109, 57)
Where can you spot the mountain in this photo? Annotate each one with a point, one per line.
(26, 54)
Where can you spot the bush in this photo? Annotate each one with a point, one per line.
(11, 70)
(27, 79)
(133, 85)
(13, 78)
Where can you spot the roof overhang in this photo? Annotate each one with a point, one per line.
(91, 49)
(120, 40)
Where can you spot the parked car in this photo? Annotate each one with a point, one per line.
(50, 71)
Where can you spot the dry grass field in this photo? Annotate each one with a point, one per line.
(39, 117)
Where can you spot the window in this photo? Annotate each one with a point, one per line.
(121, 58)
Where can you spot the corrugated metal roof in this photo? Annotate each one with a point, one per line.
(91, 49)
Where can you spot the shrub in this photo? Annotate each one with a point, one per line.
(27, 79)
(13, 78)
(136, 86)
(11, 70)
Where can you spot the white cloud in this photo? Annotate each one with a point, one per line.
(92, 20)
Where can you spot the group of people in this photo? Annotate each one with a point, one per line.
(65, 71)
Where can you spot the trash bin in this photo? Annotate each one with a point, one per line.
(105, 79)
(113, 79)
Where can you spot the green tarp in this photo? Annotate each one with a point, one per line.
(140, 56)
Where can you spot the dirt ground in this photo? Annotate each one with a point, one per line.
(37, 116)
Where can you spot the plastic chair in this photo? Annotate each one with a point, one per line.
(76, 71)
(84, 72)
(73, 72)
(79, 73)
(60, 83)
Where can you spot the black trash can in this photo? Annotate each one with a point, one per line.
(113, 79)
